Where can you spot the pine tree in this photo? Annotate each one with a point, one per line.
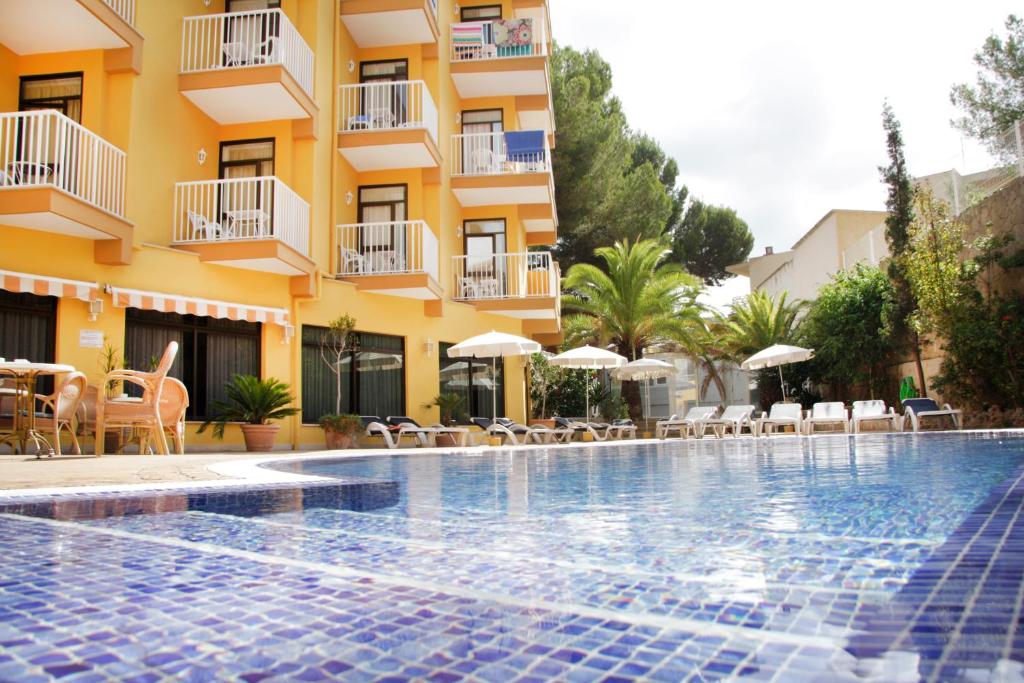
(900, 205)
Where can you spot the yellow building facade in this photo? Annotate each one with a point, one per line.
(234, 174)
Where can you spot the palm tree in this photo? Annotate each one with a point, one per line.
(634, 301)
(757, 322)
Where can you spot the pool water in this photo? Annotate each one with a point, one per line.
(888, 557)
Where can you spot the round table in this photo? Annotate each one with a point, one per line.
(24, 376)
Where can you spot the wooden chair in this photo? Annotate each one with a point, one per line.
(60, 410)
(144, 413)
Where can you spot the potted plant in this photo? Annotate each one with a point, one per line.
(451, 405)
(341, 430)
(337, 342)
(254, 403)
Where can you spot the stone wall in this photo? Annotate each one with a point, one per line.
(1001, 213)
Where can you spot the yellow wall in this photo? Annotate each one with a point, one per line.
(162, 132)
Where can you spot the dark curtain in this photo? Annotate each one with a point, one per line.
(210, 352)
(28, 329)
(474, 379)
(377, 388)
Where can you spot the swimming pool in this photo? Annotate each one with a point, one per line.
(888, 557)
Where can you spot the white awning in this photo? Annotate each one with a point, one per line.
(41, 285)
(187, 305)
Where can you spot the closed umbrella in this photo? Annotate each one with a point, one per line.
(492, 345)
(588, 358)
(777, 356)
(645, 369)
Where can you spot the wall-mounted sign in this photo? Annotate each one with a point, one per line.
(90, 339)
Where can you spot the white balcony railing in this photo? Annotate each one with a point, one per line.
(498, 39)
(397, 248)
(475, 154)
(47, 149)
(124, 9)
(386, 106)
(236, 40)
(242, 209)
(505, 276)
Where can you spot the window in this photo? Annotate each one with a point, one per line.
(474, 379)
(483, 121)
(384, 71)
(379, 206)
(210, 351)
(481, 13)
(28, 329)
(377, 387)
(250, 5)
(62, 92)
(247, 158)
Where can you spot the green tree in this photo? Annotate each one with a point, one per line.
(646, 150)
(900, 205)
(980, 333)
(593, 151)
(754, 323)
(846, 327)
(709, 239)
(635, 300)
(996, 100)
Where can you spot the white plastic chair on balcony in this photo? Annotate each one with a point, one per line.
(351, 261)
(488, 162)
(203, 229)
(248, 53)
(468, 288)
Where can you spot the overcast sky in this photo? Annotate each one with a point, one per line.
(774, 109)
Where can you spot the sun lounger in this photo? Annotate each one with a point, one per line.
(916, 408)
(375, 426)
(873, 411)
(734, 418)
(620, 428)
(781, 415)
(693, 422)
(430, 433)
(578, 427)
(505, 427)
(831, 413)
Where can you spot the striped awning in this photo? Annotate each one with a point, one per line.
(41, 285)
(187, 305)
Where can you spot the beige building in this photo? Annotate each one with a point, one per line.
(839, 240)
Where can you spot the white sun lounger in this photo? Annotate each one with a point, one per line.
(734, 418)
(693, 422)
(873, 411)
(781, 415)
(916, 408)
(831, 413)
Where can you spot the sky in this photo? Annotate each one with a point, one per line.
(774, 109)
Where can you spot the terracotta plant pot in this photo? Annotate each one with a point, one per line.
(337, 441)
(445, 440)
(259, 438)
(494, 441)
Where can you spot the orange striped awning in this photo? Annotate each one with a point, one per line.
(173, 303)
(42, 285)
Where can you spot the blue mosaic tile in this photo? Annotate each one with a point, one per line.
(788, 560)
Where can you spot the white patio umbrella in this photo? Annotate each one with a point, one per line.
(645, 369)
(588, 358)
(491, 345)
(777, 356)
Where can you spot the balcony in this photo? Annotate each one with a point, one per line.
(497, 169)
(41, 26)
(56, 176)
(251, 223)
(245, 67)
(525, 285)
(503, 58)
(373, 23)
(388, 126)
(398, 258)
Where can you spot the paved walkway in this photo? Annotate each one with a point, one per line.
(19, 471)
